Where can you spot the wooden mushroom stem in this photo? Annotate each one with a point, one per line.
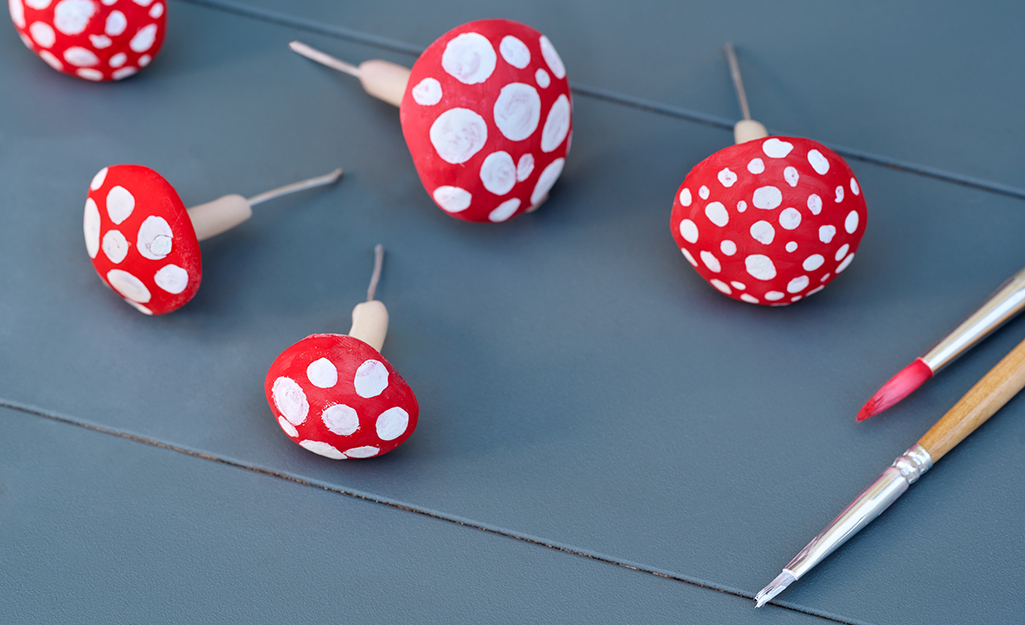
(370, 318)
(224, 213)
(746, 129)
(382, 79)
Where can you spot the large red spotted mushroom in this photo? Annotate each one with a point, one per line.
(336, 395)
(144, 243)
(486, 112)
(92, 39)
(770, 220)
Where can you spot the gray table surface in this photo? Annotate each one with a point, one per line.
(603, 437)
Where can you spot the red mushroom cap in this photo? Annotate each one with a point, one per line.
(141, 240)
(92, 39)
(770, 221)
(487, 115)
(338, 397)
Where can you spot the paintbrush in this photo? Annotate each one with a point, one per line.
(1001, 307)
(994, 390)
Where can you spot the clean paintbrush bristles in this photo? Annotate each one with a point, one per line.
(899, 387)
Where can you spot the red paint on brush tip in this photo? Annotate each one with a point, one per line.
(899, 387)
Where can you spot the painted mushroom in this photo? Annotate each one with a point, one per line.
(98, 40)
(144, 243)
(486, 112)
(770, 220)
(336, 395)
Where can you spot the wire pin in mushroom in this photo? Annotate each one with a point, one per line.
(486, 112)
(144, 243)
(97, 40)
(770, 220)
(336, 395)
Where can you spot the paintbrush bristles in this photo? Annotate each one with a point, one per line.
(899, 387)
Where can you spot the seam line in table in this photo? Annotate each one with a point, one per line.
(621, 99)
(398, 505)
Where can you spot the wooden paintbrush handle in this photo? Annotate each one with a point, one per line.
(988, 395)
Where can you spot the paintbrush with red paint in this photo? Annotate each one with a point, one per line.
(1000, 308)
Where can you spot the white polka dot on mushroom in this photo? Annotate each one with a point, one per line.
(452, 199)
(322, 449)
(116, 23)
(124, 72)
(774, 296)
(556, 125)
(458, 134)
(760, 267)
(155, 238)
(791, 176)
(552, 58)
(814, 204)
(504, 211)
(469, 58)
(524, 167)
(287, 427)
(748, 298)
(840, 253)
(139, 307)
(118, 60)
(741, 206)
(546, 180)
(727, 247)
(763, 232)
(703, 192)
(774, 148)
(142, 3)
(514, 51)
(427, 92)
(72, 16)
(371, 379)
(855, 189)
(340, 419)
(717, 214)
(322, 373)
(517, 111)
(172, 279)
(727, 178)
(850, 224)
(51, 60)
(80, 57)
(115, 246)
(100, 42)
(156, 11)
(711, 261)
(392, 423)
(767, 198)
(42, 33)
(756, 166)
(17, 13)
(740, 286)
(789, 218)
(689, 231)
(144, 60)
(826, 233)
(798, 284)
(818, 162)
(791, 246)
(91, 226)
(290, 400)
(687, 255)
(722, 286)
(839, 195)
(128, 286)
(813, 262)
(120, 204)
(825, 277)
(685, 197)
(498, 173)
(843, 265)
(542, 78)
(89, 74)
(367, 451)
(815, 290)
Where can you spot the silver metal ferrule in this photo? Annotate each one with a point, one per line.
(904, 471)
(1001, 307)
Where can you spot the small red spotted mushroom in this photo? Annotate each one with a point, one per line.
(486, 112)
(97, 40)
(336, 395)
(770, 220)
(144, 243)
